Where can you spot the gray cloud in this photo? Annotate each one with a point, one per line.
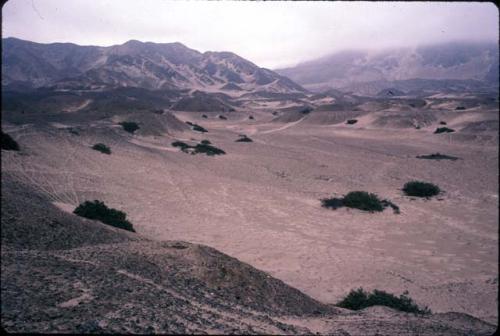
(270, 34)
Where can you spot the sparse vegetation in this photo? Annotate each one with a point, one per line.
(460, 108)
(443, 130)
(97, 210)
(437, 156)
(306, 110)
(100, 147)
(442, 123)
(203, 147)
(8, 143)
(130, 126)
(359, 299)
(251, 117)
(204, 116)
(244, 138)
(421, 189)
(222, 117)
(361, 200)
(351, 121)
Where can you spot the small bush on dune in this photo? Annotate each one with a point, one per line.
(208, 149)
(222, 117)
(251, 117)
(443, 130)
(97, 210)
(351, 121)
(199, 128)
(421, 189)
(189, 123)
(129, 126)
(359, 299)
(8, 143)
(244, 138)
(204, 116)
(102, 148)
(306, 110)
(205, 142)
(442, 123)
(361, 200)
(437, 156)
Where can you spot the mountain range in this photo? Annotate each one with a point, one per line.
(369, 72)
(133, 64)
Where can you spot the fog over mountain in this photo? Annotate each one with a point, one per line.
(365, 72)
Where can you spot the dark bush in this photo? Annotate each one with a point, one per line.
(442, 123)
(97, 210)
(359, 200)
(275, 113)
(102, 148)
(437, 156)
(199, 128)
(129, 126)
(244, 138)
(359, 299)
(204, 116)
(8, 143)
(363, 201)
(332, 203)
(189, 123)
(205, 142)
(208, 149)
(222, 117)
(443, 130)
(420, 189)
(351, 121)
(251, 117)
(306, 110)
(460, 108)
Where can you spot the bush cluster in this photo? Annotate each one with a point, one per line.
(8, 143)
(102, 148)
(421, 189)
(130, 126)
(351, 121)
(359, 299)
(97, 210)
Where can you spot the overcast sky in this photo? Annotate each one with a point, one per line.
(270, 34)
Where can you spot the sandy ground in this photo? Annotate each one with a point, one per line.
(260, 202)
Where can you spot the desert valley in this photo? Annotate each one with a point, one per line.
(223, 169)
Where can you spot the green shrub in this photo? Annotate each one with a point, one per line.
(129, 126)
(420, 189)
(359, 200)
(443, 130)
(244, 138)
(437, 156)
(199, 128)
(351, 121)
(332, 203)
(208, 149)
(359, 299)
(363, 201)
(203, 147)
(102, 148)
(97, 210)
(8, 143)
